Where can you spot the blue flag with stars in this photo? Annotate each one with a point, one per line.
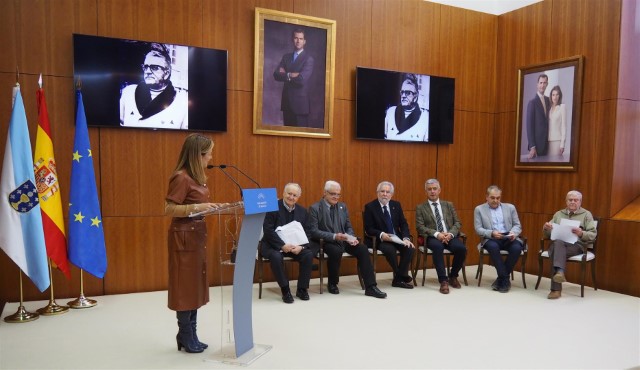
(86, 236)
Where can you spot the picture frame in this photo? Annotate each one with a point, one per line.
(293, 97)
(548, 130)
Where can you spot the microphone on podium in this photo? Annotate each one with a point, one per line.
(222, 167)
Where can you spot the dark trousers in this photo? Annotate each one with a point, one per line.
(400, 268)
(304, 258)
(514, 248)
(454, 246)
(296, 120)
(334, 250)
(559, 251)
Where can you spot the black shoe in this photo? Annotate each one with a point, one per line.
(333, 288)
(373, 291)
(401, 284)
(496, 284)
(504, 286)
(286, 295)
(302, 294)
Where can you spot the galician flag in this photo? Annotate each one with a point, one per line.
(21, 233)
(48, 187)
(86, 236)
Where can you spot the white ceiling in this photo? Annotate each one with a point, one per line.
(495, 7)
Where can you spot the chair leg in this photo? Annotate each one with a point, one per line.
(414, 268)
(480, 261)
(593, 274)
(539, 270)
(583, 276)
(424, 269)
(523, 265)
(464, 275)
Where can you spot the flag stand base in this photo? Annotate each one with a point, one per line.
(52, 309)
(82, 302)
(22, 315)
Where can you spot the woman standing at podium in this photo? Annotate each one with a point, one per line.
(188, 283)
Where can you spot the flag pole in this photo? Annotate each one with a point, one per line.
(82, 301)
(21, 315)
(52, 308)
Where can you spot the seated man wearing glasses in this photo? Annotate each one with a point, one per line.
(329, 220)
(407, 121)
(154, 103)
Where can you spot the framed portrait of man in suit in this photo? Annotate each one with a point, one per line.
(293, 74)
(549, 105)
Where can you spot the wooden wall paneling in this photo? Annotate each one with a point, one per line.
(136, 166)
(524, 36)
(43, 34)
(406, 165)
(471, 62)
(405, 36)
(10, 38)
(136, 254)
(626, 172)
(595, 166)
(353, 35)
(229, 25)
(469, 158)
(618, 256)
(628, 79)
(166, 21)
(584, 27)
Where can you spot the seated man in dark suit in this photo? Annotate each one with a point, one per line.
(329, 220)
(383, 218)
(275, 249)
(438, 222)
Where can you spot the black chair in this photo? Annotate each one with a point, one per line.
(587, 257)
(424, 252)
(523, 258)
(321, 256)
(260, 261)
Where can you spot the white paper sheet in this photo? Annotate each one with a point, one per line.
(396, 239)
(562, 231)
(292, 233)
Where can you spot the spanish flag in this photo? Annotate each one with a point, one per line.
(44, 165)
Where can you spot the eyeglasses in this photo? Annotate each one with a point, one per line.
(407, 93)
(337, 195)
(152, 67)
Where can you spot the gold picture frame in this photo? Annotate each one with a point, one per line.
(548, 132)
(300, 89)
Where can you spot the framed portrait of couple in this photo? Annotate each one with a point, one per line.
(293, 74)
(548, 115)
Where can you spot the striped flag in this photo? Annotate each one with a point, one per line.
(86, 236)
(21, 235)
(48, 187)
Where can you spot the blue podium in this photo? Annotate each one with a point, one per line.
(242, 350)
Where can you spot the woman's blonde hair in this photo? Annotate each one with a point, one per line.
(190, 160)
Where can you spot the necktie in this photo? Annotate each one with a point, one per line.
(335, 220)
(387, 220)
(544, 105)
(438, 218)
(295, 55)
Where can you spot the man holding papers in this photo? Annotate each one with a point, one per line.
(329, 220)
(569, 230)
(384, 220)
(499, 226)
(290, 242)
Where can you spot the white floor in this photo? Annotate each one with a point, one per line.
(471, 328)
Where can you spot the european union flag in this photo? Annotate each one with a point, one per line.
(86, 236)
